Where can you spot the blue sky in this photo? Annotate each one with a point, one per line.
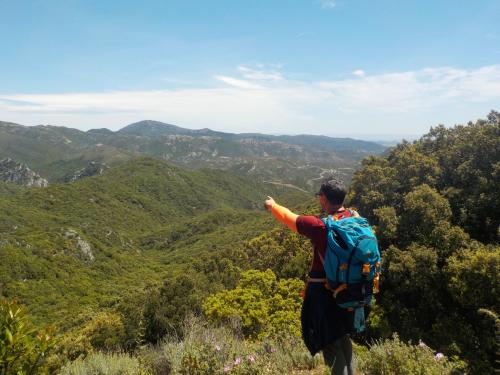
(368, 69)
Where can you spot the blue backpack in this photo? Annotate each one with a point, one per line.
(352, 264)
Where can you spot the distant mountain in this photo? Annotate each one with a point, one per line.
(54, 151)
(301, 160)
(152, 128)
(19, 174)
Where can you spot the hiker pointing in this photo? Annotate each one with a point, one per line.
(345, 264)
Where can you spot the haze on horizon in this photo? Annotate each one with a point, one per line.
(363, 69)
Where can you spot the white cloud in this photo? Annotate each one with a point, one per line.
(261, 74)
(390, 103)
(359, 73)
(417, 90)
(238, 83)
(328, 4)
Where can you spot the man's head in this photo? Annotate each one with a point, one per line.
(331, 194)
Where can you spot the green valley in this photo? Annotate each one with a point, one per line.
(183, 270)
(83, 245)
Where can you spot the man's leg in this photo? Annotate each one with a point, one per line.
(338, 356)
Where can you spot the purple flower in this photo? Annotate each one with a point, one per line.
(237, 361)
(439, 356)
(273, 350)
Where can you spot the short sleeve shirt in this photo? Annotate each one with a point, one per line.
(313, 228)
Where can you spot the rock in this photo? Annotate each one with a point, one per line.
(70, 233)
(19, 173)
(82, 245)
(85, 248)
(92, 169)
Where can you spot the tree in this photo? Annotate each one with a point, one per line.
(430, 202)
(166, 308)
(263, 304)
(286, 253)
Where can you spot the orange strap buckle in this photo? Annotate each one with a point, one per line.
(339, 289)
(366, 268)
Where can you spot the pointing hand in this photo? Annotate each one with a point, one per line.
(268, 204)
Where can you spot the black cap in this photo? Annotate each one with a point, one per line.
(334, 190)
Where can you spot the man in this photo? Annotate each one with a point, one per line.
(325, 325)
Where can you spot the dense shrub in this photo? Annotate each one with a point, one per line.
(104, 364)
(430, 201)
(209, 350)
(22, 349)
(286, 253)
(474, 277)
(167, 307)
(263, 304)
(395, 357)
(101, 331)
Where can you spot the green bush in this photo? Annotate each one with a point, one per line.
(103, 331)
(474, 277)
(104, 364)
(166, 308)
(209, 350)
(284, 252)
(395, 357)
(430, 201)
(23, 351)
(263, 304)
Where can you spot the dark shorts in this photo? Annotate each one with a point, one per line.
(323, 321)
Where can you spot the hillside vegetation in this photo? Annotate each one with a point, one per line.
(56, 152)
(71, 246)
(435, 206)
(119, 263)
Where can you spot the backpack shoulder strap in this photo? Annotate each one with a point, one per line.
(325, 221)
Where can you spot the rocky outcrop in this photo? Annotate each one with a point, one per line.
(19, 173)
(93, 169)
(84, 248)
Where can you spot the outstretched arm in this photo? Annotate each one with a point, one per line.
(281, 213)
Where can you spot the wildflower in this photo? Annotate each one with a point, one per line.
(251, 358)
(217, 347)
(273, 350)
(227, 368)
(237, 361)
(439, 356)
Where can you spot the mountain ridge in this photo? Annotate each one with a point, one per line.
(154, 128)
(301, 160)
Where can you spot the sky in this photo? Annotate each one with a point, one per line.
(368, 69)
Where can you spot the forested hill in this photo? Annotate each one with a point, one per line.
(68, 247)
(58, 152)
(120, 261)
(435, 204)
